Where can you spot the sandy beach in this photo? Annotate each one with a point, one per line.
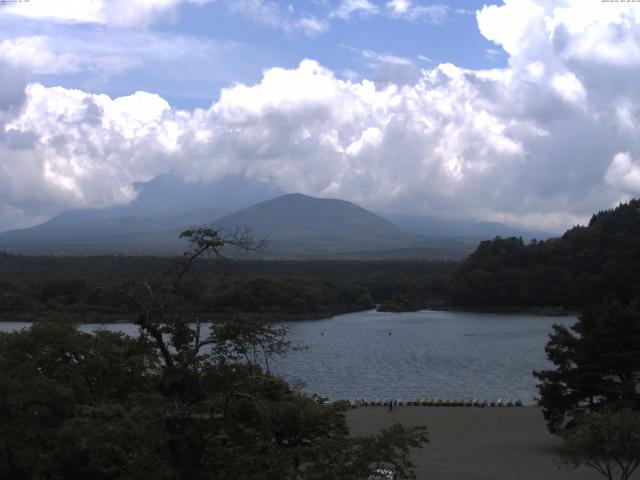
(476, 443)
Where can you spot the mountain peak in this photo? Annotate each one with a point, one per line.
(301, 197)
(309, 225)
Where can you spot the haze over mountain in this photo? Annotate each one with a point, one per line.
(296, 225)
(445, 228)
(172, 195)
(165, 205)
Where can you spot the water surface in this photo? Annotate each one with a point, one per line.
(404, 355)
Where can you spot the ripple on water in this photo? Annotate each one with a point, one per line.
(431, 354)
(439, 354)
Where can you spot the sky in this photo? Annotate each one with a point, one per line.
(525, 112)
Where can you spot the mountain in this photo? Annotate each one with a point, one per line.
(150, 224)
(300, 226)
(95, 231)
(446, 228)
(297, 224)
(294, 225)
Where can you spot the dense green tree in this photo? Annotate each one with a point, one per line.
(597, 364)
(54, 379)
(608, 442)
(584, 265)
(178, 402)
(33, 288)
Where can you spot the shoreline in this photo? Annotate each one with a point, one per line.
(475, 443)
(24, 317)
(534, 311)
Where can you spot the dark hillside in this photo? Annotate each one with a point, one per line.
(297, 224)
(79, 287)
(585, 265)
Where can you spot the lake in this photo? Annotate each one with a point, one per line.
(418, 354)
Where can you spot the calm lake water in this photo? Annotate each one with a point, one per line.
(418, 354)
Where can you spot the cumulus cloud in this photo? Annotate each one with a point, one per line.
(34, 54)
(13, 80)
(624, 173)
(399, 7)
(542, 142)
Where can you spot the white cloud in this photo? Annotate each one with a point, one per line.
(399, 7)
(542, 142)
(492, 54)
(511, 24)
(119, 13)
(304, 128)
(276, 15)
(624, 173)
(66, 11)
(569, 87)
(94, 61)
(312, 25)
(265, 12)
(389, 58)
(136, 13)
(387, 67)
(34, 54)
(435, 14)
(349, 8)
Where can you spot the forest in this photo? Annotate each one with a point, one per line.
(588, 264)
(172, 404)
(78, 405)
(85, 288)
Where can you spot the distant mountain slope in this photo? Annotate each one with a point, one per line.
(300, 216)
(441, 227)
(297, 224)
(171, 195)
(587, 264)
(150, 224)
(92, 231)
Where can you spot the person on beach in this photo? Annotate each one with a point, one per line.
(391, 405)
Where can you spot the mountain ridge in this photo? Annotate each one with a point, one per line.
(301, 225)
(296, 225)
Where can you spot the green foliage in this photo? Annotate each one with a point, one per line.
(596, 364)
(607, 442)
(172, 404)
(56, 382)
(286, 295)
(75, 405)
(350, 459)
(32, 288)
(587, 264)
